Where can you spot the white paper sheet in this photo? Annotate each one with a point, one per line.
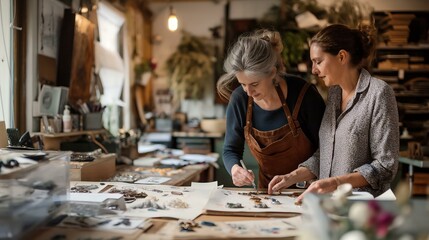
(147, 148)
(360, 196)
(93, 197)
(101, 222)
(198, 158)
(153, 180)
(220, 197)
(252, 229)
(204, 185)
(146, 161)
(162, 195)
(174, 162)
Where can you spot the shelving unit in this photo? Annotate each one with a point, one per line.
(52, 141)
(402, 60)
(411, 87)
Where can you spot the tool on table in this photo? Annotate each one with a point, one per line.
(245, 168)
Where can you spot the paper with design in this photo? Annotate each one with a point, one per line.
(221, 200)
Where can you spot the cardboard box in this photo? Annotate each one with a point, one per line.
(102, 168)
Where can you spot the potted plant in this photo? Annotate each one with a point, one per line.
(188, 68)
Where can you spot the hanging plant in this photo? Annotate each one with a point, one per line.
(188, 68)
(294, 47)
(349, 12)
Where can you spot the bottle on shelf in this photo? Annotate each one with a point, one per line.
(67, 124)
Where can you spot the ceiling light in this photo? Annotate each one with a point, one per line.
(173, 23)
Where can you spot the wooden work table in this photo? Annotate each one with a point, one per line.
(156, 226)
(188, 174)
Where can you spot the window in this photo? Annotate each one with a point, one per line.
(111, 68)
(6, 63)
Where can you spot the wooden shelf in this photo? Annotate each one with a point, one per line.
(377, 70)
(71, 134)
(52, 141)
(407, 94)
(416, 112)
(404, 47)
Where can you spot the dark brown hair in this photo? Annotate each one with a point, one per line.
(359, 43)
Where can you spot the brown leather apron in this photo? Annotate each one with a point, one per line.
(281, 150)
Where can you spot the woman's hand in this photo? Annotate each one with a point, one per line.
(279, 182)
(322, 186)
(241, 177)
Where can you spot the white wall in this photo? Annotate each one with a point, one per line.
(5, 63)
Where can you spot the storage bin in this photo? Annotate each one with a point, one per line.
(93, 121)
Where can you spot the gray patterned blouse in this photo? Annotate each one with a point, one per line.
(364, 138)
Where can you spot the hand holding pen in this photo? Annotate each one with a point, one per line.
(245, 168)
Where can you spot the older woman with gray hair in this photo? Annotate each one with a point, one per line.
(277, 114)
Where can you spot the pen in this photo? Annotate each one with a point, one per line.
(245, 168)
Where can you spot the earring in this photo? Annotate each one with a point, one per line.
(275, 82)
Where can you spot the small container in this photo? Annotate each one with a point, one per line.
(93, 121)
(67, 124)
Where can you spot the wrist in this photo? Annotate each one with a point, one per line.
(233, 168)
(337, 181)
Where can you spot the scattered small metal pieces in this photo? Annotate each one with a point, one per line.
(129, 199)
(129, 193)
(248, 193)
(255, 199)
(127, 177)
(188, 226)
(83, 188)
(275, 201)
(125, 221)
(261, 205)
(151, 205)
(81, 157)
(208, 224)
(178, 203)
(237, 226)
(234, 205)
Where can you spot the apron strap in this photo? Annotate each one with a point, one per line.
(249, 112)
(299, 100)
(290, 120)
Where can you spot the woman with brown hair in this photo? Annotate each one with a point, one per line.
(359, 134)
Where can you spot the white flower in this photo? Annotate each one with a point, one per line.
(359, 214)
(354, 235)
